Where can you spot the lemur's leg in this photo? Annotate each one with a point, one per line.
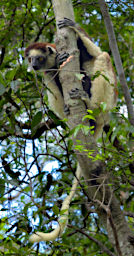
(92, 49)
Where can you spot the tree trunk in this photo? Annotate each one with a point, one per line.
(108, 206)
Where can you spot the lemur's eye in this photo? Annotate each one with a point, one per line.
(41, 58)
(29, 59)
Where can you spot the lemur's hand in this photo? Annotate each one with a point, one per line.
(65, 23)
(60, 58)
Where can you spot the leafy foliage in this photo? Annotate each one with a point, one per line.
(37, 162)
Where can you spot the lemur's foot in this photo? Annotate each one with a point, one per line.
(78, 94)
(66, 110)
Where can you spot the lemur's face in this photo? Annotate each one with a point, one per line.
(37, 59)
(42, 60)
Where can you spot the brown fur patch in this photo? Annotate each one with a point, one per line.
(38, 46)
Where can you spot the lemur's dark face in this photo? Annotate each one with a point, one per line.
(37, 62)
(40, 60)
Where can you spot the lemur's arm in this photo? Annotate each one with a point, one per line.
(92, 49)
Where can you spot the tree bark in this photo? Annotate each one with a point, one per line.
(108, 207)
(117, 59)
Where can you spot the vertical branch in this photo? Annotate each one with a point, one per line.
(117, 59)
(67, 42)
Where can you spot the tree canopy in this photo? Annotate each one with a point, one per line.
(37, 161)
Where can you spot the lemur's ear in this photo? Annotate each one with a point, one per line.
(50, 49)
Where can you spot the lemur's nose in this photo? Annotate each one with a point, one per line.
(35, 67)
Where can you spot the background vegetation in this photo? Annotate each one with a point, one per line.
(37, 163)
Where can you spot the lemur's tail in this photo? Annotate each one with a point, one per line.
(63, 219)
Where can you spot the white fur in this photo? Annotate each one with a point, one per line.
(90, 46)
(101, 90)
(52, 48)
(55, 99)
(34, 53)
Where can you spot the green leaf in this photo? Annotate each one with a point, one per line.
(2, 187)
(85, 129)
(97, 74)
(10, 74)
(79, 76)
(55, 209)
(103, 106)
(76, 129)
(37, 119)
(106, 78)
(2, 89)
(2, 81)
(89, 117)
(2, 85)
